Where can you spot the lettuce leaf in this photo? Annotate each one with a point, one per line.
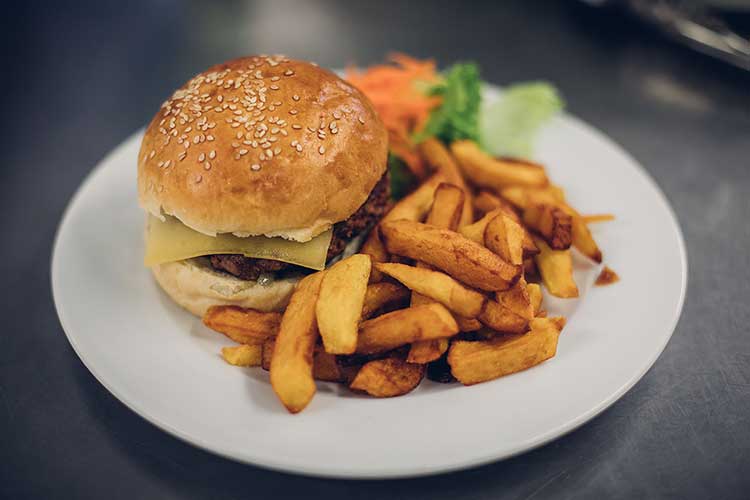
(509, 125)
(458, 116)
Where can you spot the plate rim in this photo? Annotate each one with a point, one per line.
(384, 472)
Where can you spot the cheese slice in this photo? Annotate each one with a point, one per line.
(171, 240)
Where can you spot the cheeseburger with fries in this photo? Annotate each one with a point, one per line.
(253, 173)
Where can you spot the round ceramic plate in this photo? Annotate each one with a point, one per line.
(163, 364)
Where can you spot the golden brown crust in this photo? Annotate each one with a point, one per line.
(262, 145)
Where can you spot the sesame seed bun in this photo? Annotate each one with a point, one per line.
(262, 145)
(195, 286)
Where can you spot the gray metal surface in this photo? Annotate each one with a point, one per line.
(78, 79)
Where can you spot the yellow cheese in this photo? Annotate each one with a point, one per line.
(171, 240)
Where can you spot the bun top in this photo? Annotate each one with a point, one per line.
(262, 145)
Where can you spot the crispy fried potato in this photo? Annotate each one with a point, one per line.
(485, 201)
(292, 359)
(440, 159)
(468, 324)
(437, 286)
(389, 377)
(500, 318)
(426, 322)
(447, 208)
(485, 171)
(243, 355)
(535, 296)
(596, 218)
(382, 296)
(412, 207)
(517, 299)
(556, 269)
(415, 205)
(427, 350)
(340, 301)
(244, 326)
(555, 226)
(584, 241)
(504, 236)
(325, 365)
(607, 277)
(475, 231)
(460, 257)
(446, 212)
(475, 362)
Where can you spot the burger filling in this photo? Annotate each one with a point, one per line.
(373, 209)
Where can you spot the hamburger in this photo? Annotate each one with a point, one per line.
(254, 173)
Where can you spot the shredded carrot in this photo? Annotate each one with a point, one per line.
(404, 109)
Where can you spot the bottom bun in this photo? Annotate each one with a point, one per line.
(196, 286)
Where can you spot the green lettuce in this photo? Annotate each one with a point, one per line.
(509, 125)
(402, 180)
(458, 116)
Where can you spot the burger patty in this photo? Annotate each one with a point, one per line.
(373, 209)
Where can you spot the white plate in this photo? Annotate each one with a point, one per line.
(163, 364)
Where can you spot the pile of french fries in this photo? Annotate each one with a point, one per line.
(448, 285)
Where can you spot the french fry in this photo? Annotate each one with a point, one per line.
(446, 212)
(389, 377)
(584, 241)
(244, 326)
(480, 361)
(447, 207)
(325, 365)
(596, 218)
(517, 299)
(556, 269)
(552, 223)
(485, 171)
(504, 236)
(340, 301)
(535, 296)
(383, 295)
(437, 286)
(607, 277)
(243, 355)
(386, 332)
(427, 350)
(485, 201)
(463, 259)
(468, 324)
(440, 158)
(292, 359)
(412, 207)
(475, 231)
(500, 318)
(416, 205)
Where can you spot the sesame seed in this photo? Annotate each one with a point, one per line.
(299, 148)
(321, 150)
(295, 97)
(182, 156)
(237, 157)
(262, 157)
(152, 153)
(269, 153)
(361, 120)
(207, 165)
(236, 124)
(255, 167)
(202, 157)
(296, 126)
(275, 78)
(311, 129)
(283, 132)
(288, 72)
(275, 130)
(198, 178)
(160, 164)
(295, 142)
(293, 112)
(276, 151)
(209, 137)
(189, 129)
(212, 154)
(336, 115)
(243, 152)
(220, 98)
